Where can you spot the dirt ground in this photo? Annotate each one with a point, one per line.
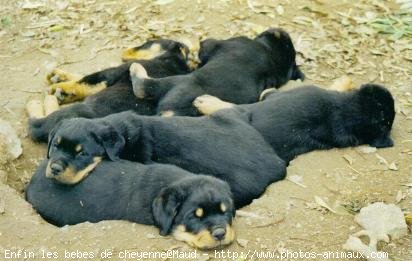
(333, 38)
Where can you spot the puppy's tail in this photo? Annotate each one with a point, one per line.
(145, 87)
(39, 129)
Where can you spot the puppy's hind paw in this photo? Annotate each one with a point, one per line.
(208, 104)
(137, 75)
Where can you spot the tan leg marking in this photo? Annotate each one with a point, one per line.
(71, 177)
(58, 75)
(50, 104)
(203, 239)
(136, 53)
(35, 109)
(208, 104)
(72, 91)
(342, 84)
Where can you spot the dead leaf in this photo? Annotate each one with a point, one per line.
(322, 203)
(348, 158)
(296, 179)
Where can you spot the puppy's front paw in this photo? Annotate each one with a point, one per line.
(71, 91)
(35, 109)
(208, 104)
(58, 75)
(137, 75)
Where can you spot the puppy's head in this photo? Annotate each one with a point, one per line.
(378, 112)
(197, 210)
(155, 48)
(282, 53)
(76, 146)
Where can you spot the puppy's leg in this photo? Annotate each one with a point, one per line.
(35, 109)
(137, 75)
(146, 87)
(342, 84)
(58, 75)
(72, 91)
(207, 104)
(50, 104)
(71, 88)
(39, 128)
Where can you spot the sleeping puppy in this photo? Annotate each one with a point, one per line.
(222, 146)
(236, 70)
(310, 118)
(196, 209)
(168, 58)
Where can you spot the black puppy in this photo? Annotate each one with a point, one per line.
(236, 70)
(196, 209)
(310, 118)
(168, 58)
(222, 146)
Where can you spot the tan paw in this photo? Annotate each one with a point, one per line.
(137, 70)
(50, 104)
(35, 109)
(167, 113)
(342, 84)
(208, 104)
(58, 75)
(71, 91)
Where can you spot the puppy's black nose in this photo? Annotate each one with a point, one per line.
(56, 168)
(219, 233)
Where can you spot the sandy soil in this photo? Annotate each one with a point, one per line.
(334, 38)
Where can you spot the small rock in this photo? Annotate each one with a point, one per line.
(242, 242)
(383, 219)
(367, 149)
(150, 236)
(9, 138)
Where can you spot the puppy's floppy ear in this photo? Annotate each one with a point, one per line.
(52, 133)
(112, 141)
(165, 208)
(207, 47)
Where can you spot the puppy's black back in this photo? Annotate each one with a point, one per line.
(114, 190)
(309, 118)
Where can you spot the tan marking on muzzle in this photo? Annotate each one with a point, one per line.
(203, 239)
(69, 176)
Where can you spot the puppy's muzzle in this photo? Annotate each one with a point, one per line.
(57, 167)
(219, 233)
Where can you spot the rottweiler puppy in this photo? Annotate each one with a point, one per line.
(310, 118)
(222, 146)
(236, 70)
(167, 58)
(196, 209)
